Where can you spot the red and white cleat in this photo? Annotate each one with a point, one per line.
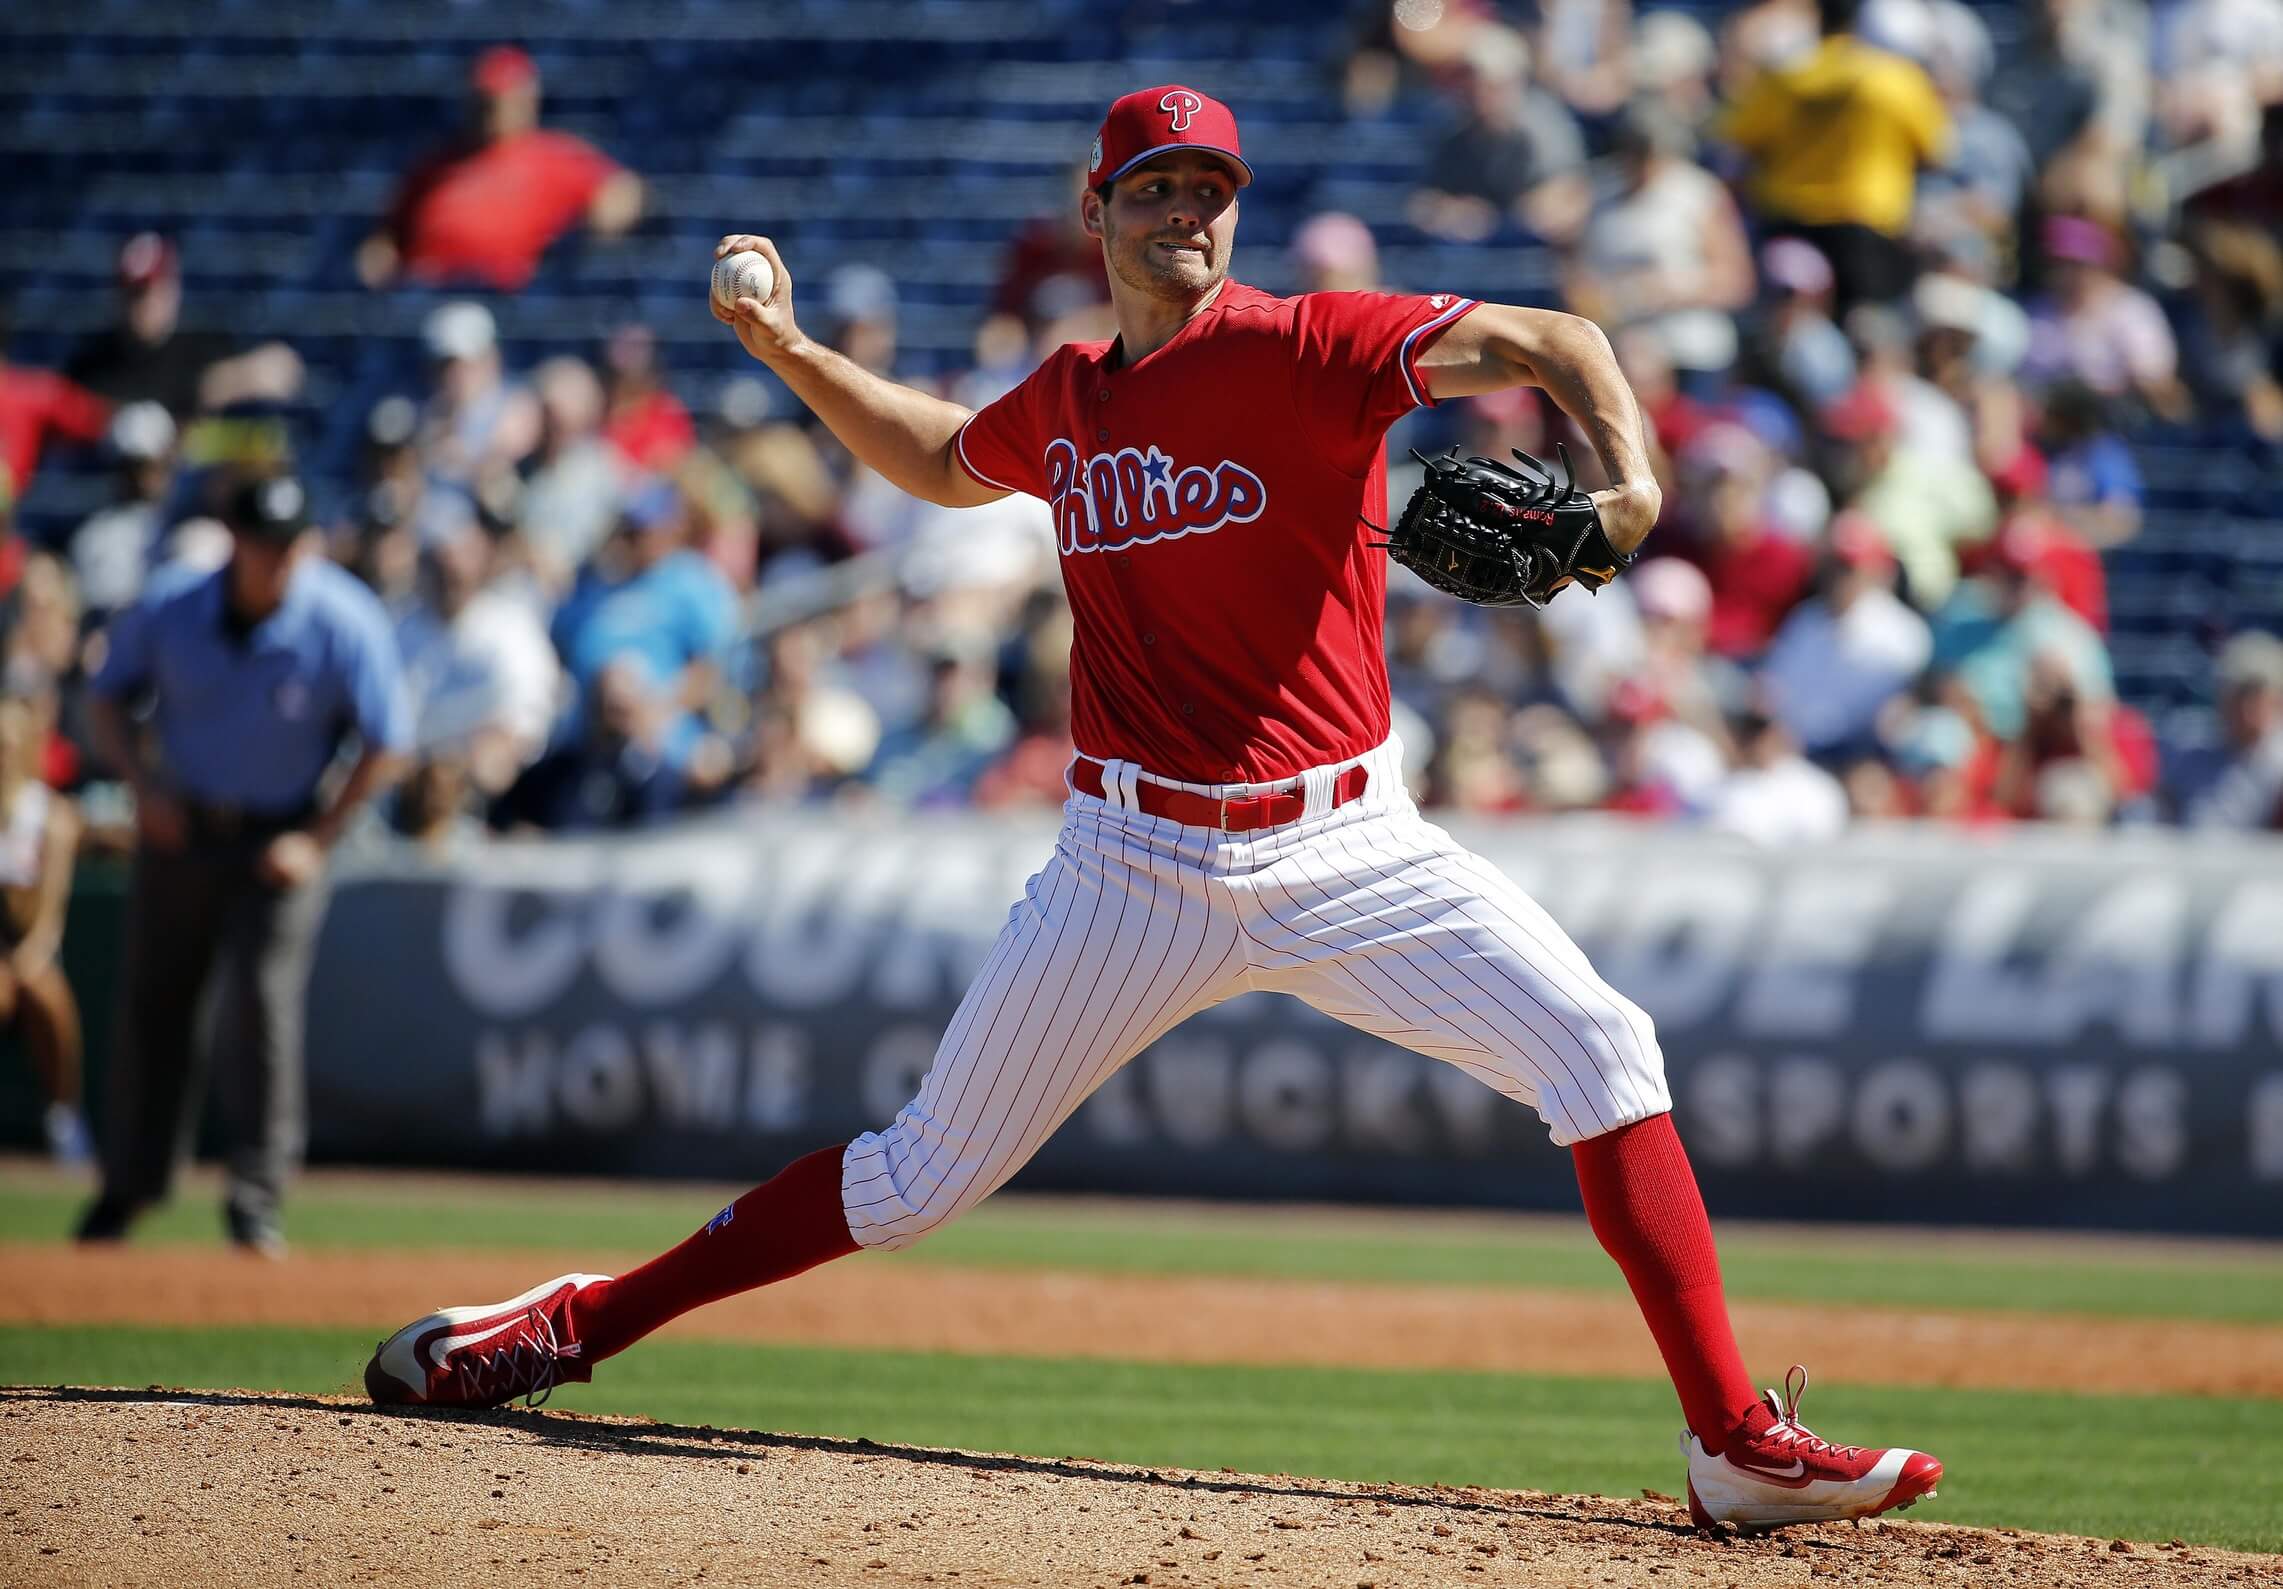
(483, 1356)
(1789, 1475)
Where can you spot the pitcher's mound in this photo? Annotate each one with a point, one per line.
(187, 1488)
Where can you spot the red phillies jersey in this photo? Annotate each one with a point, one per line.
(1210, 501)
(491, 213)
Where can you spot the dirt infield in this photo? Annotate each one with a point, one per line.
(1156, 1318)
(181, 1489)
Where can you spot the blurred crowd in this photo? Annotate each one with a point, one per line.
(1893, 303)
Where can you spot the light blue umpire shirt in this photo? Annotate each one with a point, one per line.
(255, 721)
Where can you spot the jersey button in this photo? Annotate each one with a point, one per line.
(1103, 396)
(1188, 710)
(1101, 435)
(1149, 639)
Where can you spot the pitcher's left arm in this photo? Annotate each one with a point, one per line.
(1502, 345)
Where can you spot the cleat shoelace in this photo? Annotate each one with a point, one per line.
(531, 1367)
(1789, 1434)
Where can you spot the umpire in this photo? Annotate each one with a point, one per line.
(255, 675)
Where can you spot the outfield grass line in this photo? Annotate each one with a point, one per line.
(2136, 1467)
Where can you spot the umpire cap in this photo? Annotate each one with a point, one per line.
(273, 509)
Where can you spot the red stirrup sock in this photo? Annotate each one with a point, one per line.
(1642, 1201)
(773, 1232)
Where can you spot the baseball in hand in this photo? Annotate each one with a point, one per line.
(742, 275)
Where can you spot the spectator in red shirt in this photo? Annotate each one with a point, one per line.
(1757, 573)
(37, 407)
(1053, 268)
(485, 208)
(641, 418)
(2033, 534)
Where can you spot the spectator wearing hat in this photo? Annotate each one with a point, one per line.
(255, 675)
(649, 602)
(1673, 62)
(571, 480)
(1979, 189)
(1675, 665)
(484, 681)
(1927, 419)
(1834, 144)
(2006, 622)
(1756, 574)
(477, 424)
(860, 308)
(485, 208)
(1664, 250)
(1659, 765)
(1516, 156)
(2238, 783)
(1799, 347)
(1927, 505)
(1583, 52)
(2093, 325)
(2061, 559)
(113, 547)
(1969, 342)
(1335, 252)
(147, 356)
(1848, 650)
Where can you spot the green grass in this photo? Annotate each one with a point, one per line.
(1834, 1268)
(2135, 1467)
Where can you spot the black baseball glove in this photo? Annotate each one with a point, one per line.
(1499, 537)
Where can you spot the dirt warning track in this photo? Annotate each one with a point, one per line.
(1158, 1318)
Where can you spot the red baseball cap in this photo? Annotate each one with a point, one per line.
(502, 69)
(1856, 540)
(144, 258)
(1151, 121)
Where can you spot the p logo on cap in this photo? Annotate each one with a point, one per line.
(1181, 105)
(1154, 121)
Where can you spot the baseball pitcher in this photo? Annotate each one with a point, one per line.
(1237, 818)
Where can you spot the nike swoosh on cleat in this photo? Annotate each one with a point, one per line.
(442, 1346)
(1795, 1473)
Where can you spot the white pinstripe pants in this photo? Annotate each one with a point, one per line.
(1369, 912)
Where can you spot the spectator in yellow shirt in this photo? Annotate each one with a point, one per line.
(1834, 143)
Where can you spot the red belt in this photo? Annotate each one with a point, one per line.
(1239, 815)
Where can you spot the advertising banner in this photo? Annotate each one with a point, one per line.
(1921, 1025)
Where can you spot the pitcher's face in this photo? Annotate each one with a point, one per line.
(1167, 227)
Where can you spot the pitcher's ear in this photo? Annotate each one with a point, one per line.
(1090, 204)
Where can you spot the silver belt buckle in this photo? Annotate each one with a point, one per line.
(1244, 792)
